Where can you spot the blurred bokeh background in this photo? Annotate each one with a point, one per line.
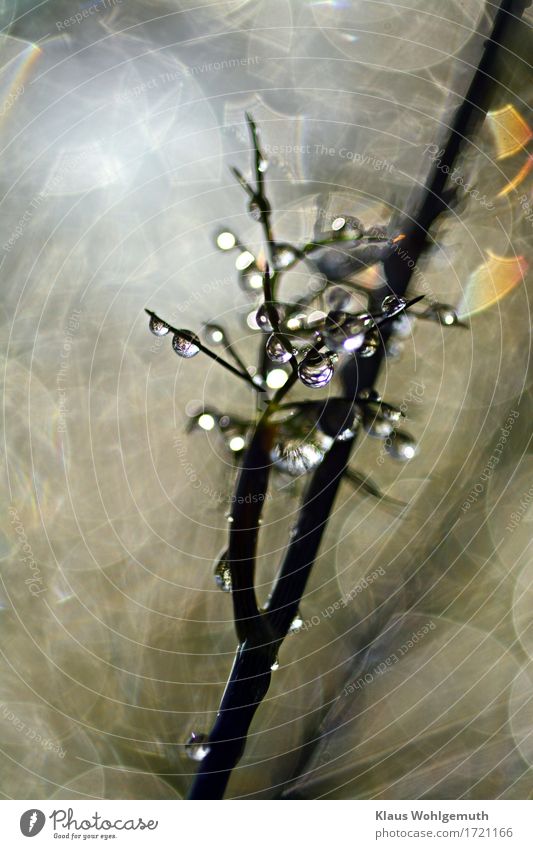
(119, 120)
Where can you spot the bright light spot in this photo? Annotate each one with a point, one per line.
(206, 422)
(449, 318)
(226, 241)
(353, 343)
(409, 451)
(244, 259)
(236, 444)
(276, 378)
(296, 321)
(256, 281)
(217, 336)
(338, 224)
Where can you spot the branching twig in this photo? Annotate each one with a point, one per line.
(260, 633)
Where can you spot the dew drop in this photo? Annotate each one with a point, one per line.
(186, 344)
(447, 317)
(275, 665)
(347, 333)
(444, 314)
(371, 345)
(390, 413)
(401, 446)
(214, 334)
(297, 456)
(196, 748)
(392, 305)
(262, 316)
(254, 210)
(158, 327)
(370, 395)
(378, 427)
(296, 624)
(283, 256)
(316, 371)
(251, 278)
(277, 349)
(223, 574)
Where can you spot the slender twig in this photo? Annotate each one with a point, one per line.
(243, 375)
(250, 676)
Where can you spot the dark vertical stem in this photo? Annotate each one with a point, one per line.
(250, 676)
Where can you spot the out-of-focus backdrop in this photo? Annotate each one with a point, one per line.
(411, 676)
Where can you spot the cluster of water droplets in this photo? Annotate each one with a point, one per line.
(185, 343)
(305, 432)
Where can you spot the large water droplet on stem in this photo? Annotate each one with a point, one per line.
(264, 313)
(158, 327)
(278, 349)
(316, 370)
(185, 344)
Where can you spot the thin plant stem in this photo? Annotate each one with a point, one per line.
(251, 673)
